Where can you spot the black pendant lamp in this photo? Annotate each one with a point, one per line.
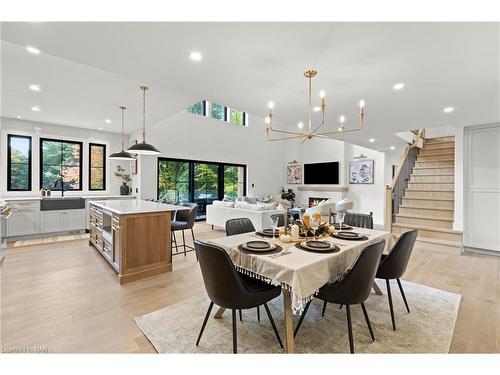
(143, 148)
(122, 155)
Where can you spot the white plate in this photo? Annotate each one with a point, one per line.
(271, 248)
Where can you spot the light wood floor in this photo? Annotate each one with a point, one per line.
(66, 297)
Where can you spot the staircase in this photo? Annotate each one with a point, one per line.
(428, 201)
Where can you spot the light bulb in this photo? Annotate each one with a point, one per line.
(341, 128)
(361, 103)
(322, 94)
(342, 119)
(300, 125)
(268, 120)
(270, 105)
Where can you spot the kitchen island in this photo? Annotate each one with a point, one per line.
(133, 236)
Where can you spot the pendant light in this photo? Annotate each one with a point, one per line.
(122, 155)
(143, 148)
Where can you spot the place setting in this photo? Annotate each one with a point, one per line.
(259, 247)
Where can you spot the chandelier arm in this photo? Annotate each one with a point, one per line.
(281, 139)
(319, 126)
(361, 126)
(284, 131)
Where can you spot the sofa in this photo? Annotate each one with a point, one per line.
(259, 213)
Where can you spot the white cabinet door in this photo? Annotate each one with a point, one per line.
(22, 222)
(52, 221)
(74, 220)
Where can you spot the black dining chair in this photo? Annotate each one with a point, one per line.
(184, 220)
(229, 289)
(352, 288)
(281, 219)
(393, 266)
(359, 220)
(240, 226)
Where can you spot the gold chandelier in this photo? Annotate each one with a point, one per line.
(311, 131)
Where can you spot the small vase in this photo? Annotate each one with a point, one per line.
(124, 189)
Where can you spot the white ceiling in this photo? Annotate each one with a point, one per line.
(87, 70)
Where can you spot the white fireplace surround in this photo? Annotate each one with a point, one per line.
(303, 195)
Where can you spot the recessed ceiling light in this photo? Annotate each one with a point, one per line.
(392, 148)
(398, 86)
(316, 109)
(300, 125)
(195, 56)
(107, 121)
(371, 140)
(448, 109)
(35, 87)
(35, 108)
(19, 117)
(99, 128)
(33, 50)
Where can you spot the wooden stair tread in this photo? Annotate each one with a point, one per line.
(433, 174)
(425, 207)
(424, 227)
(425, 217)
(431, 199)
(446, 166)
(432, 190)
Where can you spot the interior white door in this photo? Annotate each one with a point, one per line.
(482, 187)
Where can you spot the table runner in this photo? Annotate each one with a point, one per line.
(301, 272)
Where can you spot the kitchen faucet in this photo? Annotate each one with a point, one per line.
(62, 185)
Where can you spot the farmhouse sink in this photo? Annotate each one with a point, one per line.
(62, 203)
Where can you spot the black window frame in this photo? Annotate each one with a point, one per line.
(80, 164)
(191, 163)
(203, 108)
(9, 165)
(103, 166)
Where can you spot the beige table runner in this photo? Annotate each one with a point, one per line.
(301, 272)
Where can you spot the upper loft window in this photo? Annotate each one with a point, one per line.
(219, 112)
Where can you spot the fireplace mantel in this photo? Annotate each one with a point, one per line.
(341, 189)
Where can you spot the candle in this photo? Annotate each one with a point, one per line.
(295, 232)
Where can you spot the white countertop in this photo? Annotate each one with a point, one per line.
(136, 206)
(58, 195)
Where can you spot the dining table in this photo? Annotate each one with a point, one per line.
(300, 273)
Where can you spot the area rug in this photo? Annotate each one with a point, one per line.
(428, 328)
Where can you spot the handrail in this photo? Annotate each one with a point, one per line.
(394, 192)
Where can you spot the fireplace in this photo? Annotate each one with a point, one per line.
(315, 201)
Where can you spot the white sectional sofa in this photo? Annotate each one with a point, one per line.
(259, 213)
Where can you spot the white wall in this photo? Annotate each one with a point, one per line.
(37, 130)
(188, 136)
(459, 203)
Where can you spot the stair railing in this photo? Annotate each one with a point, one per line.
(394, 193)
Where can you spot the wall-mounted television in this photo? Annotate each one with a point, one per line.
(321, 173)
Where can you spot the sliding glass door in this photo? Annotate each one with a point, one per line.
(202, 182)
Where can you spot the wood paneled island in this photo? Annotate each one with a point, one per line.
(133, 236)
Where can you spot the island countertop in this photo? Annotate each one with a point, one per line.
(136, 206)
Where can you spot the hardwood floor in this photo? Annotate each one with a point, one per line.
(65, 297)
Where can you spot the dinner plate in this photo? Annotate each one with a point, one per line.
(270, 247)
(303, 246)
(268, 233)
(317, 245)
(348, 235)
(258, 245)
(344, 227)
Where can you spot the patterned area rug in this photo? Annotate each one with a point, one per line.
(427, 329)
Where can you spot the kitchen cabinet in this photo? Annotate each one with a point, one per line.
(24, 218)
(62, 220)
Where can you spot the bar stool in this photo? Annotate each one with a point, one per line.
(184, 220)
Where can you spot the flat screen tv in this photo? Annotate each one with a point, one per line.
(321, 173)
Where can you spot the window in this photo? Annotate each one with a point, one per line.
(199, 108)
(238, 117)
(18, 163)
(60, 159)
(173, 181)
(200, 182)
(218, 111)
(97, 167)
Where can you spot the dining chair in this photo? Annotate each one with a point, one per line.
(352, 288)
(240, 226)
(359, 220)
(230, 289)
(281, 219)
(184, 220)
(393, 266)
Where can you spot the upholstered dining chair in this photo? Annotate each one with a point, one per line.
(352, 288)
(393, 266)
(281, 219)
(184, 220)
(230, 289)
(359, 220)
(239, 226)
